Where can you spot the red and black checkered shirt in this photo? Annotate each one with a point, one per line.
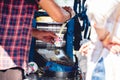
(15, 31)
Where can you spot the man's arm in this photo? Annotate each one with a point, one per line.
(46, 36)
(56, 12)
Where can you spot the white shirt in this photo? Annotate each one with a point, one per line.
(102, 12)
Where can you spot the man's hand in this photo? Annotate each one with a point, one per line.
(112, 44)
(46, 36)
(84, 48)
(70, 10)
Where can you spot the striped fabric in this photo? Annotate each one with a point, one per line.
(15, 31)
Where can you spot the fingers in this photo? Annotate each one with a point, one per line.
(47, 36)
(115, 49)
(53, 35)
(48, 39)
(84, 51)
(50, 34)
(84, 48)
(70, 10)
(113, 45)
(115, 40)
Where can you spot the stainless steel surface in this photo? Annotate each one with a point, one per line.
(52, 52)
(37, 77)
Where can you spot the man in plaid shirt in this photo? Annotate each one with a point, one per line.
(16, 32)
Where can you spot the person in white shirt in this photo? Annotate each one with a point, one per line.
(104, 39)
